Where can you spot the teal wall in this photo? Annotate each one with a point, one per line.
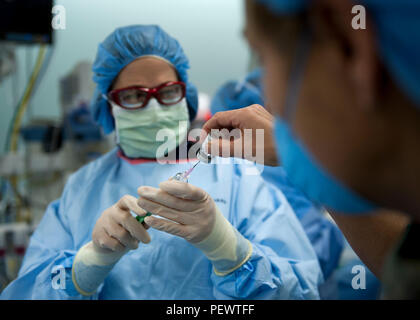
(210, 32)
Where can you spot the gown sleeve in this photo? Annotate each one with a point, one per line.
(324, 235)
(283, 264)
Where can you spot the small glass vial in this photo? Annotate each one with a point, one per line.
(202, 154)
(181, 176)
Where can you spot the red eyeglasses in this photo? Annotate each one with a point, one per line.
(131, 98)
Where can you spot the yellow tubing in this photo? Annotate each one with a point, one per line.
(25, 100)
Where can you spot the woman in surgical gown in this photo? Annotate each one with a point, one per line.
(282, 264)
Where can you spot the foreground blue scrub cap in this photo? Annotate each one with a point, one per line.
(398, 30)
(122, 47)
(239, 94)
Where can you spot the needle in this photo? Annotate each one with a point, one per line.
(187, 173)
(185, 176)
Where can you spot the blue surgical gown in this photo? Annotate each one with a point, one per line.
(324, 235)
(283, 264)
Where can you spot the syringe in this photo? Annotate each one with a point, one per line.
(183, 176)
(202, 156)
(180, 176)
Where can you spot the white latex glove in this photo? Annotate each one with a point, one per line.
(115, 233)
(195, 217)
(117, 230)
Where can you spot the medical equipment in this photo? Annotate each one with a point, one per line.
(183, 176)
(26, 21)
(202, 156)
(180, 176)
(8, 62)
(141, 218)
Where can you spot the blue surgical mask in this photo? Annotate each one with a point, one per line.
(302, 169)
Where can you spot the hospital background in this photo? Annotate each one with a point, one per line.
(46, 132)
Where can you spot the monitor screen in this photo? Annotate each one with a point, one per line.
(26, 21)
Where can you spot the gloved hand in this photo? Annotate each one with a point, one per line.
(117, 230)
(115, 233)
(194, 216)
(255, 118)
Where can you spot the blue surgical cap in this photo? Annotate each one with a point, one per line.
(122, 47)
(397, 24)
(284, 6)
(239, 94)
